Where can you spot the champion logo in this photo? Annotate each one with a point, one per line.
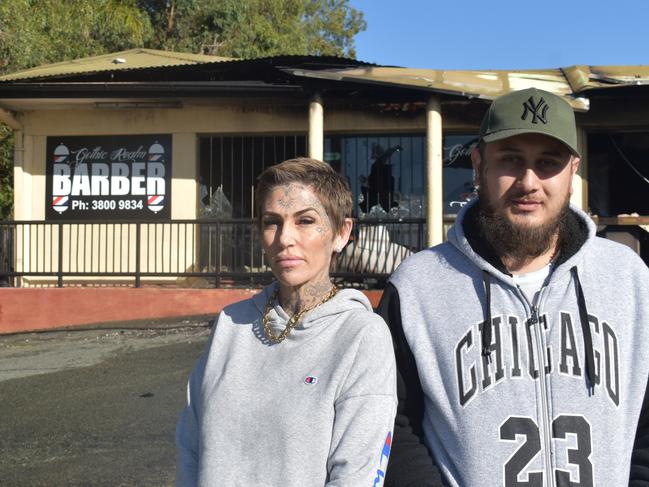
(383, 461)
(311, 380)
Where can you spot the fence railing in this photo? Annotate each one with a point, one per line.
(197, 253)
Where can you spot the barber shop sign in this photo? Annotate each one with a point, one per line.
(123, 177)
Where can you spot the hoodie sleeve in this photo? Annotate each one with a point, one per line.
(364, 412)
(639, 476)
(411, 464)
(187, 428)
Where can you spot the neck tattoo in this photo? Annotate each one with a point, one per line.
(294, 320)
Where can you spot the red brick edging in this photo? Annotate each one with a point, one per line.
(32, 309)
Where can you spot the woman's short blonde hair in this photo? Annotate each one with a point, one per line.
(329, 186)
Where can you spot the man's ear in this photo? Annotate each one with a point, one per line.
(576, 161)
(476, 160)
(574, 167)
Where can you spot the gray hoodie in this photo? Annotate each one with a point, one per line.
(548, 395)
(316, 409)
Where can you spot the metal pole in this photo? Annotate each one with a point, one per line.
(137, 254)
(59, 282)
(217, 264)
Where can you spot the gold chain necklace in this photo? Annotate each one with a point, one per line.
(294, 320)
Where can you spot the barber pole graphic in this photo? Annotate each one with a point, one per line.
(60, 203)
(156, 152)
(61, 154)
(155, 203)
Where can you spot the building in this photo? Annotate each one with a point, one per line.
(138, 167)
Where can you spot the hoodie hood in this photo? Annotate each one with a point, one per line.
(465, 236)
(344, 301)
(578, 232)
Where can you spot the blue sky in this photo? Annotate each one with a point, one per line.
(503, 34)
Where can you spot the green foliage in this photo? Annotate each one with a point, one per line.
(255, 28)
(6, 172)
(36, 32)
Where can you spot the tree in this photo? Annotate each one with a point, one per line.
(6, 172)
(255, 28)
(36, 32)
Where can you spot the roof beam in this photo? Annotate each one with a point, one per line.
(8, 118)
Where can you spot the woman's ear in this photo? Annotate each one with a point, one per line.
(342, 237)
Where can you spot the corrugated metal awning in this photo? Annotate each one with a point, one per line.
(584, 78)
(471, 84)
(117, 61)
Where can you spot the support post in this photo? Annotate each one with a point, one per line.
(316, 128)
(434, 189)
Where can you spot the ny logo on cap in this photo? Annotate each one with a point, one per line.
(538, 110)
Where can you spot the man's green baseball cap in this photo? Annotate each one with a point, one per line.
(530, 111)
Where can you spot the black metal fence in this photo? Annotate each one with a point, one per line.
(6, 254)
(192, 253)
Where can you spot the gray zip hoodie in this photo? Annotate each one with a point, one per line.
(316, 409)
(548, 395)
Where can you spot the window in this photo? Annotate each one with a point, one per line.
(387, 173)
(618, 173)
(229, 166)
(618, 184)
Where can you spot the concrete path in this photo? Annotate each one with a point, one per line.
(94, 407)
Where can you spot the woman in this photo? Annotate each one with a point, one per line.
(296, 386)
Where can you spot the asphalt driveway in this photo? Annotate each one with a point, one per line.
(94, 407)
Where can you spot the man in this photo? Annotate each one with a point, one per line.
(522, 342)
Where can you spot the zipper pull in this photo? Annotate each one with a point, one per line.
(535, 316)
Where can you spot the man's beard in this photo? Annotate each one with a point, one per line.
(517, 241)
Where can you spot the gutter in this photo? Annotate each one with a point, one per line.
(112, 89)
